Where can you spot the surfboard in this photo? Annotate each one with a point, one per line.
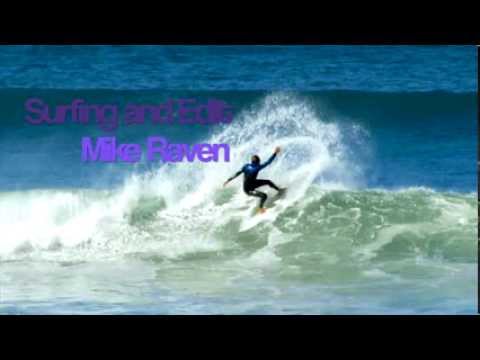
(272, 200)
(255, 218)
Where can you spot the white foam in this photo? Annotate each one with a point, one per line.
(51, 222)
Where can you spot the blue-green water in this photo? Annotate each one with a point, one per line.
(379, 154)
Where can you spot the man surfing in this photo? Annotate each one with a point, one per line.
(250, 181)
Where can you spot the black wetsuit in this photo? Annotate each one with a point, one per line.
(250, 181)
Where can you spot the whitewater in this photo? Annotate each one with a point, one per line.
(170, 240)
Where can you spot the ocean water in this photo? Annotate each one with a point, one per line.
(379, 156)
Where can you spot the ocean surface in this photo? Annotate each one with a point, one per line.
(379, 151)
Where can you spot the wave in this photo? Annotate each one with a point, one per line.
(321, 226)
(180, 212)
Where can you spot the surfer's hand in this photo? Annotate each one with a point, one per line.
(225, 183)
(277, 150)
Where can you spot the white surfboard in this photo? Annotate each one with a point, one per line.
(273, 207)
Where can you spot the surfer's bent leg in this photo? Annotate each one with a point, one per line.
(259, 194)
(259, 183)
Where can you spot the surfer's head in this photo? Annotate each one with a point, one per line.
(255, 159)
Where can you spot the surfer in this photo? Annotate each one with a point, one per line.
(250, 181)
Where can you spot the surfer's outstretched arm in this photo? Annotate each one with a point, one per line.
(269, 161)
(238, 173)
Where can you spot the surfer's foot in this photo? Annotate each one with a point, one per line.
(261, 210)
(282, 190)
